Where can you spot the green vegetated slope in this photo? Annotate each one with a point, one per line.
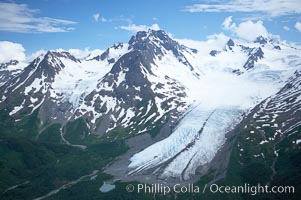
(45, 164)
(40, 165)
(254, 161)
(39, 162)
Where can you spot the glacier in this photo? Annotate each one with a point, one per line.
(218, 99)
(194, 142)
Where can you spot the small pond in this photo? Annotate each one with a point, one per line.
(106, 187)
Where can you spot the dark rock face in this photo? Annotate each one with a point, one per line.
(214, 52)
(131, 65)
(131, 62)
(261, 40)
(50, 65)
(126, 85)
(230, 44)
(237, 72)
(128, 88)
(65, 54)
(265, 41)
(285, 103)
(268, 137)
(5, 74)
(254, 55)
(105, 55)
(5, 65)
(41, 70)
(133, 90)
(154, 44)
(144, 42)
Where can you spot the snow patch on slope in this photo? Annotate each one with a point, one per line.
(222, 96)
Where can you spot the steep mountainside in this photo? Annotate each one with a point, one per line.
(9, 70)
(113, 88)
(218, 108)
(269, 141)
(174, 109)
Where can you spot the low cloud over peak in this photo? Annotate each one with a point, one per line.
(245, 30)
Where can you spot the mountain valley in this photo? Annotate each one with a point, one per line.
(151, 110)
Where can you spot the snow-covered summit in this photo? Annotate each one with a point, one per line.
(150, 82)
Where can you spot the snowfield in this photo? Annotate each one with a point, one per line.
(218, 98)
(207, 89)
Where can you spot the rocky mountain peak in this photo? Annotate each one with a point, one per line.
(60, 54)
(147, 36)
(154, 44)
(153, 39)
(49, 64)
(112, 53)
(229, 45)
(254, 55)
(261, 40)
(5, 65)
